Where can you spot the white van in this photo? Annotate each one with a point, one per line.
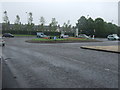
(41, 35)
(64, 36)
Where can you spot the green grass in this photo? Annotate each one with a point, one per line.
(22, 35)
(42, 39)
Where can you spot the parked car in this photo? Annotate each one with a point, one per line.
(83, 36)
(64, 36)
(2, 42)
(41, 35)
(7, 35)
(113, 37)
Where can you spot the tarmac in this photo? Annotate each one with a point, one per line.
(113, 49)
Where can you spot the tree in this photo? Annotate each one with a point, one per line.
(82, 25)
(42, 22)
(5, 18)
(17, 21)
(53, 25)
(66, 26)
(17, 24)
(90, 26)
(30, 19)
(99, 27)
(30, 25)
(118, 29)
(6, 22)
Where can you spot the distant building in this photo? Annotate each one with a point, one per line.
(38, 28)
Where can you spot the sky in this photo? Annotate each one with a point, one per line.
(62, 10)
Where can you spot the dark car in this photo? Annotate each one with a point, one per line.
(7, 35)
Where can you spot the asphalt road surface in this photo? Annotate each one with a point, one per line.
(60, 65)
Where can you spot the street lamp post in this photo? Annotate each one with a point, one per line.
(81, 31)
(27, 20)
(76, 33)
(112, 21)
(93, 34)
(27, 17)
(87, 16)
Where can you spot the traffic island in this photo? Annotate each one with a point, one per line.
(66, 40)
(113, 49)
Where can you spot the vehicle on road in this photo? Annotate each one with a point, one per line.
(2, 42)
(113, 37)
(64, 36)
(7, 35)
(41, 35)
(83, 36)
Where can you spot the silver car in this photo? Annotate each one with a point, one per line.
(113, 37)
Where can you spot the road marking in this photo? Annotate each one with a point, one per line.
(72, 59)
(107, 69)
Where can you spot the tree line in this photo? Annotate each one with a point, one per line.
(97, 27)
(53, 25)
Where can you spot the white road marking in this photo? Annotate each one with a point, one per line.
(107, 69)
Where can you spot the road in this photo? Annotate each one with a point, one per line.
(60, 65)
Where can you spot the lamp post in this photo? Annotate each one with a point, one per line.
(27, 20)
(76, 33)
(112, 21)
(93, 34)
(27, 23)
(81, 31)
(87, 16)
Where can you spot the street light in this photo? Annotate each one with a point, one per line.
(81, 31)
(93, 34)
(27, 16)
(87, 16)
(112, 21)
(76, 33)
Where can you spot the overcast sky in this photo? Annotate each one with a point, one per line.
(62, 10)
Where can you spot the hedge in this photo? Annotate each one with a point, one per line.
(31, 32)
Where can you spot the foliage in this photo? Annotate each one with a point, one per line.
(30, 18)
(66, 27)
(53, 25)
(97, 27)
(42, 22)
(17, 24)
(88, 26)
(6, 22)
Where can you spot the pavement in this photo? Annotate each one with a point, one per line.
(8, 81)
(114, 49)
(60, 65)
